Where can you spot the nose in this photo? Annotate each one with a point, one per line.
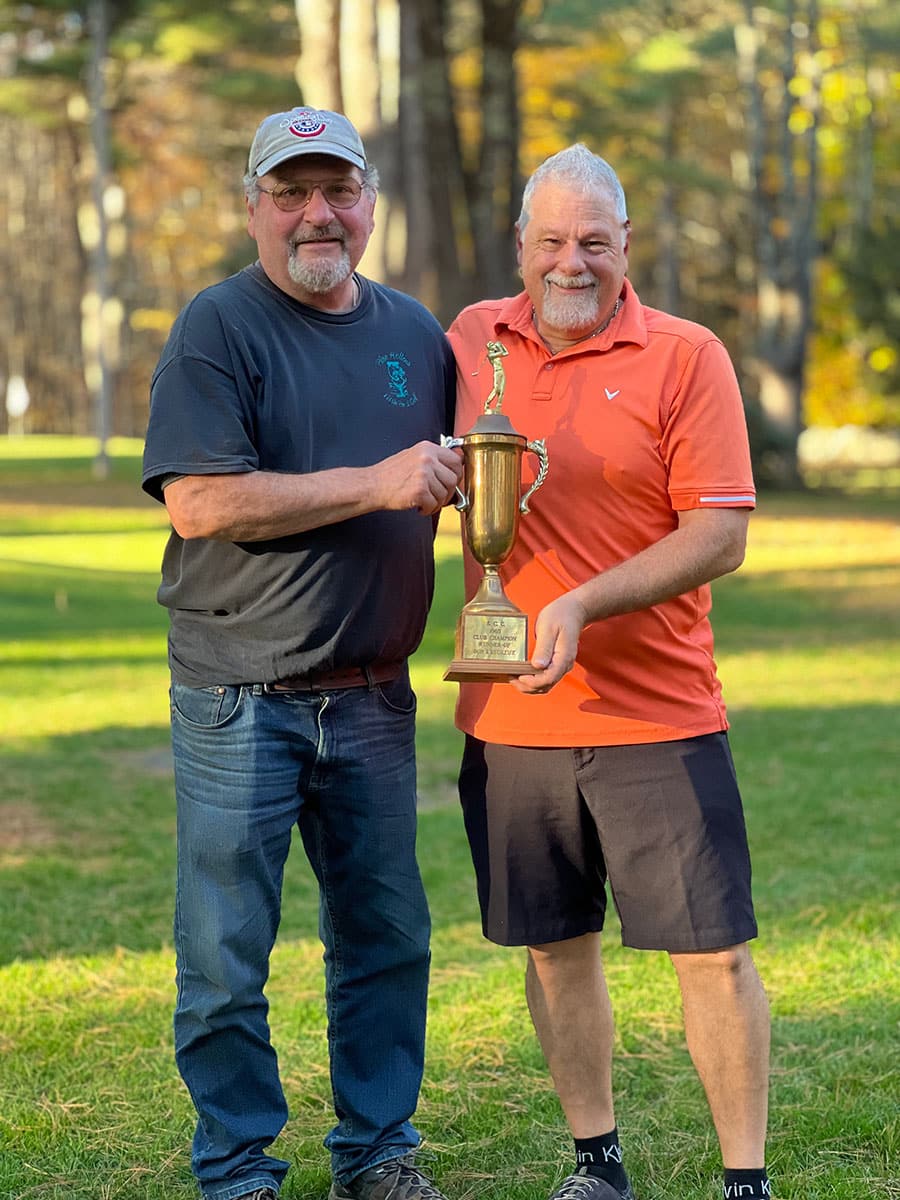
(571, 259)
(317, 209)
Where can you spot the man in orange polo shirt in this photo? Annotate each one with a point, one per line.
(611, 763)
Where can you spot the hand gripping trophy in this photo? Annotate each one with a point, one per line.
(492, 633)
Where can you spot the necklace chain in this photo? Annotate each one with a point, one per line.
(608, 321)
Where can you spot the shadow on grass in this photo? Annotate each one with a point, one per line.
(854, 604)
(57, 603)
(87, 833)
(87, 847)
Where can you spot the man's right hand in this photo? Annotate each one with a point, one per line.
(423, 477)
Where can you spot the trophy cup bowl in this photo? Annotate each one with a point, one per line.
(492, 633)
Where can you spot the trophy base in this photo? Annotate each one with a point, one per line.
(491, 639)
(467, 670)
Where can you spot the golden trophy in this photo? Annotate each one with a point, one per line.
(492, 633)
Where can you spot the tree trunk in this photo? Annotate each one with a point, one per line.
(96, 307)
(495, 187)
(40, 331)
(668, 274)
(447, 284)
(413, 274)
(318, 68)
(783, 225)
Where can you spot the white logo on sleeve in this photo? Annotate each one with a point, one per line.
(611, 395)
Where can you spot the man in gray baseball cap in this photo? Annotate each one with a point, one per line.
(294, 437)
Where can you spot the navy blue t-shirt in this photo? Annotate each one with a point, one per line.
(250, 379)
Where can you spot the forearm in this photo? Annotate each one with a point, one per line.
(705, 545)
(259, 505)
(687, 558)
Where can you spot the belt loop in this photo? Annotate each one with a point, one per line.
(370, 678)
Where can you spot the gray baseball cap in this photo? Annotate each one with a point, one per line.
(304, 131)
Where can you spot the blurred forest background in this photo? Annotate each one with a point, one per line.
(757, 143)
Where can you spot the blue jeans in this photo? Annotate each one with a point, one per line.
(249, 765)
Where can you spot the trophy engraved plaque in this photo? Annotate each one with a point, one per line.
(492, 633)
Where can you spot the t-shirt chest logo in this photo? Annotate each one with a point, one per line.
(399, 393)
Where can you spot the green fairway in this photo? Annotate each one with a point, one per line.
(91, 1108)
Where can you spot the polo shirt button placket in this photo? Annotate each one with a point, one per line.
(543, 386)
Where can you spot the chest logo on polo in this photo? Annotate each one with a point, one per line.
(399, 392)
(611, 395)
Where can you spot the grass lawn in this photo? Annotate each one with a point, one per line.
(91, 1108)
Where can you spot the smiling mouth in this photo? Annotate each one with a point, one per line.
(579, 285)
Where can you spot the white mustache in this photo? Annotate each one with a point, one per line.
(329, 233)
(585, 279)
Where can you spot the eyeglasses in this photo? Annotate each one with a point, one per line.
(337, 193)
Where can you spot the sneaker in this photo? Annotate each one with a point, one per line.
(582, 1186)
(260, 1194)
(396, 1179)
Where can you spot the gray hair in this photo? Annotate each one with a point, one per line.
(575, 165)
(370, 180)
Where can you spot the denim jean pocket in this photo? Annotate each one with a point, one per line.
(397, 695)
(207, 707)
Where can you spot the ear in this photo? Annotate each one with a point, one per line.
(626, 245)
(251, 214)
(518, 248)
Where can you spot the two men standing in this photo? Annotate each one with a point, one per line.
(303, 492)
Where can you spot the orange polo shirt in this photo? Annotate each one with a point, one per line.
(641, 421)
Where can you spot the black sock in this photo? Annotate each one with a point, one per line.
(746, 1185)
(602, 1156)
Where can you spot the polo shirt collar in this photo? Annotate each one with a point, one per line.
(629, 325)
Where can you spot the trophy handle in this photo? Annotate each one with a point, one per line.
(462, 500)
(539, 448)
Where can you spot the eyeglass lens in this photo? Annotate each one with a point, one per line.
(337, 193)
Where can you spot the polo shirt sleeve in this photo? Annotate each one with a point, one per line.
(201, 420)
(704, 441)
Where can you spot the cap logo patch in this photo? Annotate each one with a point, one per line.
(307, 125)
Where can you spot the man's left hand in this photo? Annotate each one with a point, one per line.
(556, 633)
